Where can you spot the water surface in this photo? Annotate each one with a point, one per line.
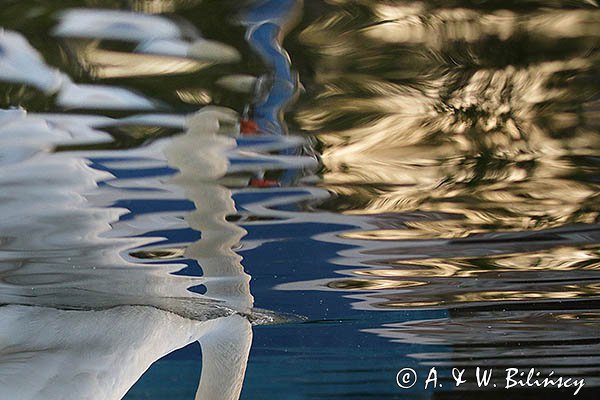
(286, 199)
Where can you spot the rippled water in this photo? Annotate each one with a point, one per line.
(286, 199)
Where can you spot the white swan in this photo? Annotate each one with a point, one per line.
(47, 353)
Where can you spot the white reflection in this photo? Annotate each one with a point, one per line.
(205, 50)
(79, 320)
(112, 24)
(160, 49)
(200, 155)
(88, 96)
(30, 129)
(21, 63)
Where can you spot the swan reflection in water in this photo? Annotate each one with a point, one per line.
(91, 295)
(89, 325)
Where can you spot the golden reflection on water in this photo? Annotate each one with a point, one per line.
(457, 111)
(147, 6)
(375, 284)
(161, 6)
(557, 273)
(461, 122)
(588, 316)
(561, 259)
(106, 64)
(434, 282)
(572, 292)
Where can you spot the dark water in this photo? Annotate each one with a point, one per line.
(297, 200)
